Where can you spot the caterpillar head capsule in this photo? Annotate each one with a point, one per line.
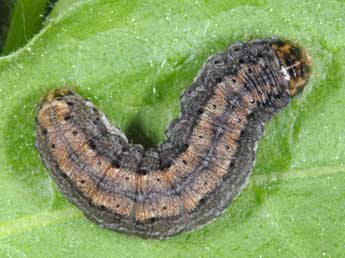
(296, 64)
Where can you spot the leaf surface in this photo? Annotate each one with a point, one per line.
(133, 59)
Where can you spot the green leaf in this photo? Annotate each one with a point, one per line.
(6, 8)
(60, 7)
(25, 22)
(133, 59)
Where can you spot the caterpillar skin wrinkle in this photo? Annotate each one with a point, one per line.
(209, 151)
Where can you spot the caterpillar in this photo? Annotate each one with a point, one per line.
(209, 152)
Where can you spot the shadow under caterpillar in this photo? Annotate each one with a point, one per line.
(193, 175)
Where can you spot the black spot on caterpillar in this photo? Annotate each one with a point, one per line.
(197, 171)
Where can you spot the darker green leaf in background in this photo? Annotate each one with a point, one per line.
(133, 59)
(5, 15)
(20, 20)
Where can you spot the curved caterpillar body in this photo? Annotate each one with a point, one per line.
(192, 176)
